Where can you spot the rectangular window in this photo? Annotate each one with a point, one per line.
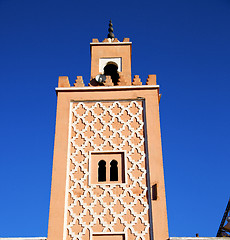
(107, 167)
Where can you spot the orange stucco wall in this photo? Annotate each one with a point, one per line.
(62, 149)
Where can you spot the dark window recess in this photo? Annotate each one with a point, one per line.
(102, 171)
(154, 192)
(111, 70)
(113, 171)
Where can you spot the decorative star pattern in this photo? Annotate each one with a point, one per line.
(102, 126)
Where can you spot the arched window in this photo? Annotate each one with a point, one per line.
(113, 171)
(111, 70)
(102, 171)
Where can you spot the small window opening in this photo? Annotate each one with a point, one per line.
(113, 171)
(102, 171)
(154, 192)
(111, 70)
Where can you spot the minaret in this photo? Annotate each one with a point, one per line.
(108, 180)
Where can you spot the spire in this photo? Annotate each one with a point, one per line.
(110, 35)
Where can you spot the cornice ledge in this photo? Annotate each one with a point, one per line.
(104, 88)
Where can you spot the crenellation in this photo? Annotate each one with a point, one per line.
(151, 80)
(122, 80)
(63, 81)
(108, 81)
(126, 39)
(95, 40)
(111, 40)
(106, 40)
(79, 82)
(136, 80)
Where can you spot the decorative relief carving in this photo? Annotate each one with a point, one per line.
(101, 126)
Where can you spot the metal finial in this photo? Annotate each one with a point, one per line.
(110, 35)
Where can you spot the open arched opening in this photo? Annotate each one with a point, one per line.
(111, 70)
(102, 171)
(113, 170)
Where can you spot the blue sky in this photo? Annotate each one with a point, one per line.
(186, 43)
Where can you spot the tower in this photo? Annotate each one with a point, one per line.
(107, 180)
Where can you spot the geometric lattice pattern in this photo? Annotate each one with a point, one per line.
(118, 208)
